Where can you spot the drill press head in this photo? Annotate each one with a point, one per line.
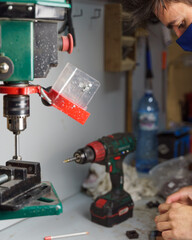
(29, 47)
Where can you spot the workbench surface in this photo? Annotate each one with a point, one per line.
(76, 218)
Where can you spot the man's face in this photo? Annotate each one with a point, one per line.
(177, 16)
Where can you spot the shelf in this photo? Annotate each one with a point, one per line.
(128, 41)
(118, 40)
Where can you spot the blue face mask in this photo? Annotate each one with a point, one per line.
(185, 41)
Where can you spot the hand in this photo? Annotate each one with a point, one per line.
(175, 221)
(184, 196)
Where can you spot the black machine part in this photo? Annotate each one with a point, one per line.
(31, 11)
(22, 184)
(26, 197)
(45, 48)
(84, 155)
(16, 108)
(132, 234)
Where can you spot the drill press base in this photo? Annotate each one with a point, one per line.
(112, 208)
(22, 194)
(48, 204)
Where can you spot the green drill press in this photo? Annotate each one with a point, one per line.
(29, 47)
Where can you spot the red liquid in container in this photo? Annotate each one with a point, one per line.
(65, 105)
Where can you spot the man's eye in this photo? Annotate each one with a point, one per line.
(182, 25)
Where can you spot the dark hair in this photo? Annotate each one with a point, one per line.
(142, 10)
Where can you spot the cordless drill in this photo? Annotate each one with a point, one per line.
(117, 205)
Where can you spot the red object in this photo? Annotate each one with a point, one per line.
(99, 150)
(100, 202)
(61, 103)
(111, 136)
(67, 43)
(68, 107)
(47, 238)
(110, 168)
(117, 158)
(20, 90)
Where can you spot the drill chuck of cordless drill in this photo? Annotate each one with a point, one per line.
(116, 146)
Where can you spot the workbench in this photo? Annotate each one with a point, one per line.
(76, 218)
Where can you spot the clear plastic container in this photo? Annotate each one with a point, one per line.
(75, 85)
(147, 142)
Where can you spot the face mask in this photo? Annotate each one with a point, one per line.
(185, 41)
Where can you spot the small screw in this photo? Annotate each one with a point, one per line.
(30, 8)
(10, 7)
(4, 67)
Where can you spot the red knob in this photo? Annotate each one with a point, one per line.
(67, 42)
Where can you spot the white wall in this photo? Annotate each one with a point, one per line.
(51, 136)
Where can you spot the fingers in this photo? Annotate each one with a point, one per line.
(175, 197)
(164, 208)
(167, 222)
(163, 226)
(167, 235)
(181, 196)
(162, 218)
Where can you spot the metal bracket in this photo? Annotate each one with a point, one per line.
(97, 13)
(44, 95)
(80, 14)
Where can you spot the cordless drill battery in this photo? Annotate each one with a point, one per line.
(108, 210)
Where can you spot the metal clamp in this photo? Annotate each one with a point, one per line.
(44, 95)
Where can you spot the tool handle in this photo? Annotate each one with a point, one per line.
(117, 181)
(115, 169)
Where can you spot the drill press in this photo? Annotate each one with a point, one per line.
(29, 45)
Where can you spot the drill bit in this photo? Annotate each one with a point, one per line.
(17, 148)
(70, 160)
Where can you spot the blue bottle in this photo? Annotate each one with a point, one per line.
(147, 116)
